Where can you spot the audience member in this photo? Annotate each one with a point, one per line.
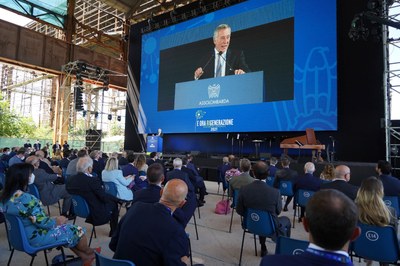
(98, 166)
(45, 164)
(331, 221)
(243, 179)
(39, 228)
(37, 146)
(221, 172)
(122, 161)
(371, 207)
(328, 173)
(285, 174)
(197, 182)
(153, 158)
(191, 204)
(308, 182)
(234, 170)
(19, 157)
(391, 185)
(111, 173)
(71, 169)
(258, 195)
(56, 146)
(148, 235)
(272, 166)
(65, 146)
(152, 194)
(103, 206)
(141, 179)
(65, 160)
(340, 182)
(49, 192)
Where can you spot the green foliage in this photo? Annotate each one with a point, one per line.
(13, 125)
(116, 129)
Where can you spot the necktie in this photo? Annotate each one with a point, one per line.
(218, 73)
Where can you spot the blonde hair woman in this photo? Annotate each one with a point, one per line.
(111, 173)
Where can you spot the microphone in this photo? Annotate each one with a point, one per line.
(220, 54)
(208, 62)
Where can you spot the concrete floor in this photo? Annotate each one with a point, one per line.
(216, 246)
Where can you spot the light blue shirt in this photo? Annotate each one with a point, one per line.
(120, 181)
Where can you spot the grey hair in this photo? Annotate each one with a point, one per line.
(177, 163)
(83, 164)
(309, 168)
(220, 27)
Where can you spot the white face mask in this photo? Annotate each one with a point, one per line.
(31, 179)
(23, 158)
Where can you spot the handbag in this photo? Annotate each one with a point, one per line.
(222, 207)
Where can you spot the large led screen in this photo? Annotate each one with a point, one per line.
(284, 53)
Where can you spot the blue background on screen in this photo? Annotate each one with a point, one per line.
(315, 77)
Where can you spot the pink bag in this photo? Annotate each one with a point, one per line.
(222, 207)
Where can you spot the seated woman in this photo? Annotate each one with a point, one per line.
(40, 229)
(234, 171)
(371, 207)
(141, 178)
(111, 173)
(328, 174)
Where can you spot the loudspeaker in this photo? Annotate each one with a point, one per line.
(93, 139)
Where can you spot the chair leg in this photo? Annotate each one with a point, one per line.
(241, 249)
(198, 211)
(48, 210)
(255, 244)
(190, 250)
(63, 255)
(8, 239)
(33, 258)
(45, 256)
(59, 207)
(230, 226)
(294, 216)
(195, 226)
(91, 236)
(11, 255)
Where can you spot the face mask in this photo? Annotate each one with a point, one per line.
(31, 179)
(23, 158)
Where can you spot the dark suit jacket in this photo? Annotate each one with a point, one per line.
(284, 174)
(46, 167)
(272, 170)
(303, 259)
(191, 200)
(258, 195)
(307, 181)
(234, 60)
(391, 185)
(151, 194)
(191, 174)
(90, 188)
(148, 235)
(49, 193)
(348, 189)
(64, 163)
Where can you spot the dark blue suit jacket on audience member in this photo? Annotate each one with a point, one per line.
(304, 259)
(46, 167)
(284, 174)
(308, 182)
(151, 194)
(129, 169)
(191, 200)
(148, 235)
(348, 189)
(391, 185)
(64, 163)
(272, 170)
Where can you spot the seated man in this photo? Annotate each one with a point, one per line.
(222, 170)
(49, 192)
(197, 181)
(258, 195)
(331, 221)
(243, 179)
(152, 194)
(391, 185)
(148, 235)
(285, 174)
(340, 182)
(103, 206)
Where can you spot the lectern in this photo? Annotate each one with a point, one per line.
(154, 143)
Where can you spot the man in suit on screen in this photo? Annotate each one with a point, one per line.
(222, 61)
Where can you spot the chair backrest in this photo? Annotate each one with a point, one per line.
(259, 222)
(393, 201)
(270, 181)
(110, 188)
(104, 261)
(2, 179)
(290, 246)
(16, 234)
(377, 243)
(303, 196)
(81, 207)
(33, 190)
(286, 188)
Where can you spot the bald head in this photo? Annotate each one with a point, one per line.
(342, 172)
(174, 193)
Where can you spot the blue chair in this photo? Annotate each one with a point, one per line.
(104, 261)
(235, 197)
(286, 188)
(301, 198)
(257, 222)
(81, 209)
(270, 181)
(19, 241)
(33, 190)
(290, 246)
(111, 188)
(376, 243)
(393, 201)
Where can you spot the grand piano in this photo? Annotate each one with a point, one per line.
(304, 142)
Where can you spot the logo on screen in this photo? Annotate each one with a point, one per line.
(213, 90)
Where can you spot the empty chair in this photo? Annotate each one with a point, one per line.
(19, 241)
(81, 209)
(301, 198)
(259, 223)
(104, 261)
(378, 243)
(290, 246)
